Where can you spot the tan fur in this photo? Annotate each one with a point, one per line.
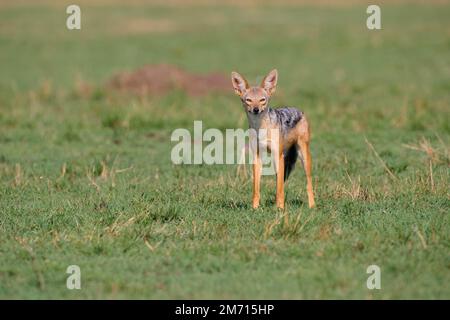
(257, 98)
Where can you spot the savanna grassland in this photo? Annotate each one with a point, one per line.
(86, 177)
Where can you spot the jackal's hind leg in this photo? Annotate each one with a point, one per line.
(307, 165)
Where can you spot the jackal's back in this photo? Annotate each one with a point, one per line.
(285, 117)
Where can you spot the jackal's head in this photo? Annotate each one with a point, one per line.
(255, 99)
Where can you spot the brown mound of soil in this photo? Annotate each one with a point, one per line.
(162, 78)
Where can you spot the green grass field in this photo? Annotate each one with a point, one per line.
(86, 179)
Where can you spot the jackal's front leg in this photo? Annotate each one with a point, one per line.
(256, 180)
(279, 167)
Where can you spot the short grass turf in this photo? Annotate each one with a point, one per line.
(86, 178)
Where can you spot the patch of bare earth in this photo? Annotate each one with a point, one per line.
(138, 26)
(163, 78)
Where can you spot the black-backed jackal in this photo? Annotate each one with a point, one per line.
(292, 130)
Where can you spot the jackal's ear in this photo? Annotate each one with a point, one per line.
(240, 85)
(269, 83)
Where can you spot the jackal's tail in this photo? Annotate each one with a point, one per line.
(290, 157)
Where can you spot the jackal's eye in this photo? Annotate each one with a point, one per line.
(262, 100)
(248, 100)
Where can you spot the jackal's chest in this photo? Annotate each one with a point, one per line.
(267, 134)
(272, 134)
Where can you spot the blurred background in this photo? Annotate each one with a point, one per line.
(85, 173)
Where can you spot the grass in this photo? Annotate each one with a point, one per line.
(86, 179)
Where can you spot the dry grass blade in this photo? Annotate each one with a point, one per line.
(18, 175)
(88, 175)
(117, 226)
(381, 160)
(150, 247)
(421, 237)
(285, 226)
(434, 154)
